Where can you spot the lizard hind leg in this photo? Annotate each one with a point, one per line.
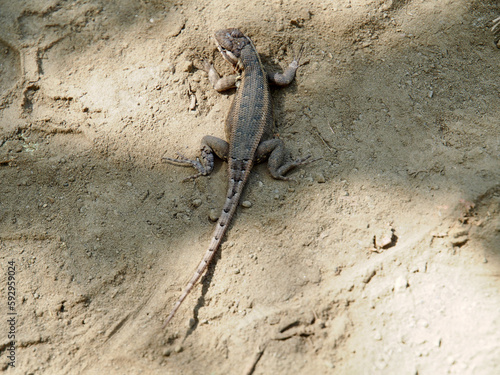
(204, 164)
(274, 151)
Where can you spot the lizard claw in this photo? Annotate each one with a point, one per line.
(305, 160)
(183, 161)
(298, 55)
(280, 173)
(206, 65)
(193, 177)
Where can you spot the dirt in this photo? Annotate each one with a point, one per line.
(382, 258)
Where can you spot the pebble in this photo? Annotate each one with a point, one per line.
(458, 235)
(246, 204)
(214, 215)
(458, 232)
(186, 66)
(459, 241)
(369, 275)
(272, 320)
(320, 178)
(329, 364)
(423, 323)
(400, 284)
(169, 67)
(196, 203)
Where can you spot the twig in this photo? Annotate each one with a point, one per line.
(4, 162)
(251, 366)
(324, 141)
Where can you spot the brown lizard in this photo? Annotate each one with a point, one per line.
(249, 126)
(496, 31)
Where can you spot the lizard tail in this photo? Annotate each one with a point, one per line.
(233, 196)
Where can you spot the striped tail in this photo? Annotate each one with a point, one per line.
(233, 196)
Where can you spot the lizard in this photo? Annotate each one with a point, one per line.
(496, 31)
(248, 128)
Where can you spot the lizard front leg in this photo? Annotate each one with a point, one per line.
(285, 78)
(219, 83)
(274, 151)
(204, 164)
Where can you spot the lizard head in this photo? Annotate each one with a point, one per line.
(230, 43)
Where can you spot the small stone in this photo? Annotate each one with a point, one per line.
(320, 178)
(380, 364)
(246, 204)
(459, 241)
(369, 275)
(457, 232)
(186, 66)
(169, 68)
(166, 352)
(178, 349)
(423, 323)
(214, 215)
(275, 319)
(377, 336)
(459, 235)
(196, 203)
(400, 284)
(329, 364)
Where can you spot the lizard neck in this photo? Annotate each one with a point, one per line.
(249, 59)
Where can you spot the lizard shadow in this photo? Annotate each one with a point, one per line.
(278, 93)
(206, 281)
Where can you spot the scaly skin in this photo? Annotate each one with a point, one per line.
(248, 130)
(496, 31)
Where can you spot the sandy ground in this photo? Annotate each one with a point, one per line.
(383, 257)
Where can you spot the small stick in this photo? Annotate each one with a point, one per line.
(321, 137)
(251, 366)
(3, 162)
